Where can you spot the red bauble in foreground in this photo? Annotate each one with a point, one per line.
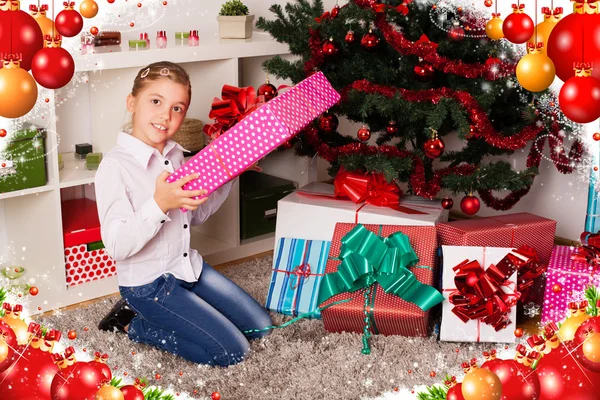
(328, 122)
(8, 345)
(455, 393)
(363, 134)
(81, 380)
(587, 340)
(68, 22)
(19, 33)
(434, 147)
(518, 381)
(447, 203)
(130, 392)
(30, 376)
(579, 97)
(267, 90)
(215, 396)
(518, 26)
(470, 205)
(53, 67)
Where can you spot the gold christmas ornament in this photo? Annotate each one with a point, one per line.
(108, 392)
(88, 9)
(12, 314)
(535, 71)
(493, 28)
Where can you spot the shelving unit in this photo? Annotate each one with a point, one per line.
(33, 217)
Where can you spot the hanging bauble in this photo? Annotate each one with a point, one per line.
(493, 28)
(45, 23)
(363, 134)
(423, 71)
(328, 122)
(543, 29)
(88, 9)
(53, 67)
(470, 205)
(493, 61)
(8, 344)
(369, 41)
(447, 203)
(579, 97)
(350, 38)
(329, 48)
(518, 26)
(109, 392)
(434, 147)
(456, 32)
(19, 33)
(68, 22)
(481, 384)
(391, 128)
(267, 90)
(576, 33)
(535, 71)
(12, 314)
(335, 11)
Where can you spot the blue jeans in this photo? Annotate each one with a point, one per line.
(200, 321)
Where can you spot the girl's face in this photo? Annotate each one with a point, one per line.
(158, 111)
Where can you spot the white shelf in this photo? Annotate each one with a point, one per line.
(210, 49)
(74, 172)
(25, 192)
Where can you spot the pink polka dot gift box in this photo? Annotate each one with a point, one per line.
(259, 133)
(566, 280)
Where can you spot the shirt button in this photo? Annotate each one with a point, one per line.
(184, 226)
(185, 254)
(166, 162)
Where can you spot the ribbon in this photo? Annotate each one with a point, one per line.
(234, 105)
(578, 308)
(530, 268)
(424, 40)
(518, 8)
(370, 189)
(35, 10)
(53, 335)
(479, 295)
(9, 5)
(35, 329)
(495, 15)
(16, 309)
(139, 383)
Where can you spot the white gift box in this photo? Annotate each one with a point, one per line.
(311, 213)
(453, 329)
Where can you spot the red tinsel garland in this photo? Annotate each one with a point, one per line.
(316, 50)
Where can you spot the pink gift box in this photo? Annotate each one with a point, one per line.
(566, 281)
(259, 133)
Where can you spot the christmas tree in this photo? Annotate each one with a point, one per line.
(412, 73)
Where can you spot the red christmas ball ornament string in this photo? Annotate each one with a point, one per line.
(518, 27)
(470, 205)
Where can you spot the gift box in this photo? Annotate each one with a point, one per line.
(566, 280)
(258, 133)
(85, 257)
(470, 275)
(312, 212)
(509, 230)
(23, 161)
(298, 267)
(393, 288)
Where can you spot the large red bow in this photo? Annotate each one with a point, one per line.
(479, 294)
(16, 309)
(530, 268)
(234, 105)
(424, 40)
(35, 329)
(518, 8)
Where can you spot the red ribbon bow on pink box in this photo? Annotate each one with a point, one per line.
(234, 105)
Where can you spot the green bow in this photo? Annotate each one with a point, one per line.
(367, 258)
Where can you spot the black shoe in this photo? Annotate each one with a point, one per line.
(118, 318)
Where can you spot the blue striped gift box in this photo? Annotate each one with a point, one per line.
(298, 268)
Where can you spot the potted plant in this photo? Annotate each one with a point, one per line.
(234, 21)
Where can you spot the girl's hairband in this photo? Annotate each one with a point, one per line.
(163, 72)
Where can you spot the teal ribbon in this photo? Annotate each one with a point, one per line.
(368, 259)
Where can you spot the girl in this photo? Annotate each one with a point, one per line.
(172, 299)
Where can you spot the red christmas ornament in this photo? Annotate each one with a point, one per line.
(267, 90)
(434, 147)
(456, 33)
(391, 128)
(329, 48)
(3, 132)
(110, 1)
(455, 392)
(587, 340)
(369, 41)
(81, 380)
(30, 376)
(68, 22)
(519, 332)
(8, 344)
(470, 205)
(488, 3)
(215, 396)
(33, 291)
(350, 38)
(579, 97)
(363, 134)
(328, 122)
(556, 288)
(447, 203)
(596, 136)
(518, 381)
(518, 26)
(53, 67)
(130, 392)
(423, 71)
(335, 11)
(493, 61)
(94, 30)
(72, 335)
(19, 33)
(573, 34)
(100, 363)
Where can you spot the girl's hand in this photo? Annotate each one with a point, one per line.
(169, 196)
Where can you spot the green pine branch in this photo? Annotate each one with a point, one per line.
(592, 295)
(3, 294)
(435, 392)
(116, 382)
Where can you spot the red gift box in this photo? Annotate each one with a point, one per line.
(509, 230)
(391, 314)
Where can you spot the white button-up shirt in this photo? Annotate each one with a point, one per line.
(144, 241)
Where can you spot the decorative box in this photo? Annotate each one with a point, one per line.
(107, 38)
(299, 266)
(509, 230)
(23, 161)
(566, 280)
(258, 133)
(259, 194)
(85, 257)
(92, 161)
(81, 150)
(456, 325)
(387, 313)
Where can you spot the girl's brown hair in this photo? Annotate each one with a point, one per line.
(160, 70)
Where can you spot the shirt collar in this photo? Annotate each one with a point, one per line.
(142, 151)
